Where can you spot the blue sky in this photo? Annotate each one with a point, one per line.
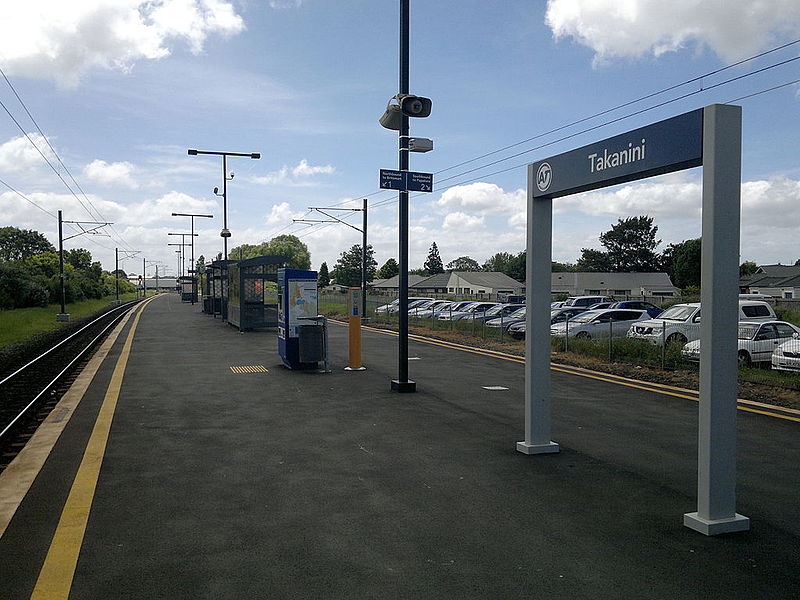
(122, 88)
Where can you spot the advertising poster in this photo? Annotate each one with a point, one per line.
(302, 301)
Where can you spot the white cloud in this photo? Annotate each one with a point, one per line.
(299, 175)
(18, 154)
(733, 29)
(118, 173)
(483, 198)
(282, 213)
(64, 40)
(459, 221)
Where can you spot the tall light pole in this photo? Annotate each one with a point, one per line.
(192, 270)
(225, 233)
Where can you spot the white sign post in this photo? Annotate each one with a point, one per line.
(710, 137)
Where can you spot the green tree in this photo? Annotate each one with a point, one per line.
(594, 261)
(323, 277)
(630, 247)
(512, 265)
(79, 258)
(433, 264)
(245, 251)
(19, 244)
(463, 263)
(748, 267)
(389, 269)
(347, 270)
(290, 246)
(682, 262)
(559, 267)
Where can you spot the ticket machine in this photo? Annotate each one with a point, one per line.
(300, 334)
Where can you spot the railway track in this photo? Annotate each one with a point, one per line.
(29, 393)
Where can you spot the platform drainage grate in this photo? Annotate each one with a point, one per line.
(250, 369)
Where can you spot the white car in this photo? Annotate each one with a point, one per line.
(786, 356)
(681, 323)
(757, 341)
(599, 323)
(394, 305)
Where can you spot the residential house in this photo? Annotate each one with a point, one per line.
(779, 281)
(618, 285)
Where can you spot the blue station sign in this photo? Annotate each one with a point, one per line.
(670, 145)
(406, 181)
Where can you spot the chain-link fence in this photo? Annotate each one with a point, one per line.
(670, 345)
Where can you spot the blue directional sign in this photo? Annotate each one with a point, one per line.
(393, 180)
(406, 181)
(663, 147)
(419, 182)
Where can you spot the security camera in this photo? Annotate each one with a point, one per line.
(231, 174)
(216, 190)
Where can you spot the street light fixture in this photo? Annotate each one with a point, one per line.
(225, 233)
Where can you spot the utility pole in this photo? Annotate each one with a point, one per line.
(363, 231)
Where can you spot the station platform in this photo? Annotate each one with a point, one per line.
(194, 465)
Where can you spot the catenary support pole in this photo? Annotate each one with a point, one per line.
(61, 263)
(719, 272)
(364, 264)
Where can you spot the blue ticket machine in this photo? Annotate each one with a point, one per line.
(297, 307)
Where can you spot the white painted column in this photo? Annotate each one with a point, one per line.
(716, 472)
(537, 324)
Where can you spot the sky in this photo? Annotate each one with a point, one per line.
(102, 98)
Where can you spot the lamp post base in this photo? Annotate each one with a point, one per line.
(404, 387)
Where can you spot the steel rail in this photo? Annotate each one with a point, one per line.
(124, 308)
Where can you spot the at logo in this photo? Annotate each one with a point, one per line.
(544, 177)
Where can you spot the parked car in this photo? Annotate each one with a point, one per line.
(599, 305)
(566, 312)
(507, 321)
(452, 307)
(651, 309)
(786, 357)
(394, 305)
(586, 301)
(757, 341)
(496, 311)
(599, 323)
(470, 310)
(557, 315)
(681, 323)
(425, 309)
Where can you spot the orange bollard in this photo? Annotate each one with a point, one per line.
(354, 332)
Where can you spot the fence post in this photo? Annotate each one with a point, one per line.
(663, 344)
(566, 334)
(610, 337)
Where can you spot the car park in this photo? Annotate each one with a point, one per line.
(680, 323)
(786, 357)
(517, 330)
(600, 305)
(599, 323)
(651, 309)
(756, 341)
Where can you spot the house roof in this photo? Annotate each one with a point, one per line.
(394, 282)
(778, 270)
(585, 279)
(439, 280)
(488, 279)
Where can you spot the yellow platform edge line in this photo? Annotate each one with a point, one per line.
(58, 570)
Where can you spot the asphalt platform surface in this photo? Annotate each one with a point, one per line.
(287, 484)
